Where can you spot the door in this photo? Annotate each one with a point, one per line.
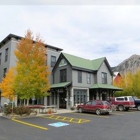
(87, 106)
(62, 100)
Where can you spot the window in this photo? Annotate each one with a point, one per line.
(79, 76)
(89, 103)
(4, 72)
(63, 75)
(88, 78)
(120, 99)
(0, 58)
(6, 54)
(53, 61)
(80, 96)
(104, 78)
(94, 103)
(125, 98)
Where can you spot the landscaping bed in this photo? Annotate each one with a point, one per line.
(18, 112)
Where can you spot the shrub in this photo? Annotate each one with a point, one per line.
(7, 109)
(19, 110)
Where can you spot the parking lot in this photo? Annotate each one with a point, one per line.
(77, 126)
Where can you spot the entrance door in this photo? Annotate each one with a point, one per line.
(62, 100)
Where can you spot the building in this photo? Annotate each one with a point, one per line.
(77, 80)
(7, 59)
(117, 78)
(74, 80)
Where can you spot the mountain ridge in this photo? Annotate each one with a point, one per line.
(131, 64)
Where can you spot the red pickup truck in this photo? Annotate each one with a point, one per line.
(123, 103)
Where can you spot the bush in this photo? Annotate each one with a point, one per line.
(19, 110)
(7, 109)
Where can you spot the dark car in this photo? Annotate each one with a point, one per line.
(96, 106)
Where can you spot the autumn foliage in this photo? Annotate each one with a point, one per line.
(130, 83)
(7, 84)
(32, 73)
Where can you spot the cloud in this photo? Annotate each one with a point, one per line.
(87, 31)
(71, 2)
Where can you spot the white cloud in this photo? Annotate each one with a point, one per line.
(71, 2)
(87, 31)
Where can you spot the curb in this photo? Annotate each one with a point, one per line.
(36, 115)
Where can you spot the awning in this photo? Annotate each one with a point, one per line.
(105, 86)
(61, 85)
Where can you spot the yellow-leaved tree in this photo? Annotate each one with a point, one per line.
(32, 74)
(7, 84)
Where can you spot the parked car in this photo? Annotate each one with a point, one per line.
(137, 102)
(123, 103)
(96, 106)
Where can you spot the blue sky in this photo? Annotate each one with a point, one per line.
(88, 31)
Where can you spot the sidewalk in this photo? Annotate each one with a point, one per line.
(59, 111)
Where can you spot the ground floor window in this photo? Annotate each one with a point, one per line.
(80, 96)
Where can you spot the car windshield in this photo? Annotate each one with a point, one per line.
(105, 103)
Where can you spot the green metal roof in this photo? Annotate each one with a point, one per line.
(97, 63)
(105, 86)
(84, 63)
(60, 85)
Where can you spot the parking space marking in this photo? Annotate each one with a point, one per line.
(67, 119)
(84, 114)
(33, 125)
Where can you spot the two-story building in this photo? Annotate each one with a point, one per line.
(77, 80)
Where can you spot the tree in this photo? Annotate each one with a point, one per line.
(32, 79)
(130, 84)
(136, 84)
(7, 84)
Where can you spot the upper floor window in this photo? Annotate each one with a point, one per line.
(53, 61)
(0, 57)
(63, 75)
(104, 78)
(88, 78)
(6, 54)
(4, 72)
(79, 76)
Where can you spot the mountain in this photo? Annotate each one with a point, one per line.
(132, 64)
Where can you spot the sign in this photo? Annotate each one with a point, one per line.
(58, 124)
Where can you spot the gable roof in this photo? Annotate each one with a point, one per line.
(97, 62)
(79, 62)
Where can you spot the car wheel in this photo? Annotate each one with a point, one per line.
(98, 111)
(80, 110)
(126, 108)
(120, 107)
(138, 107)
